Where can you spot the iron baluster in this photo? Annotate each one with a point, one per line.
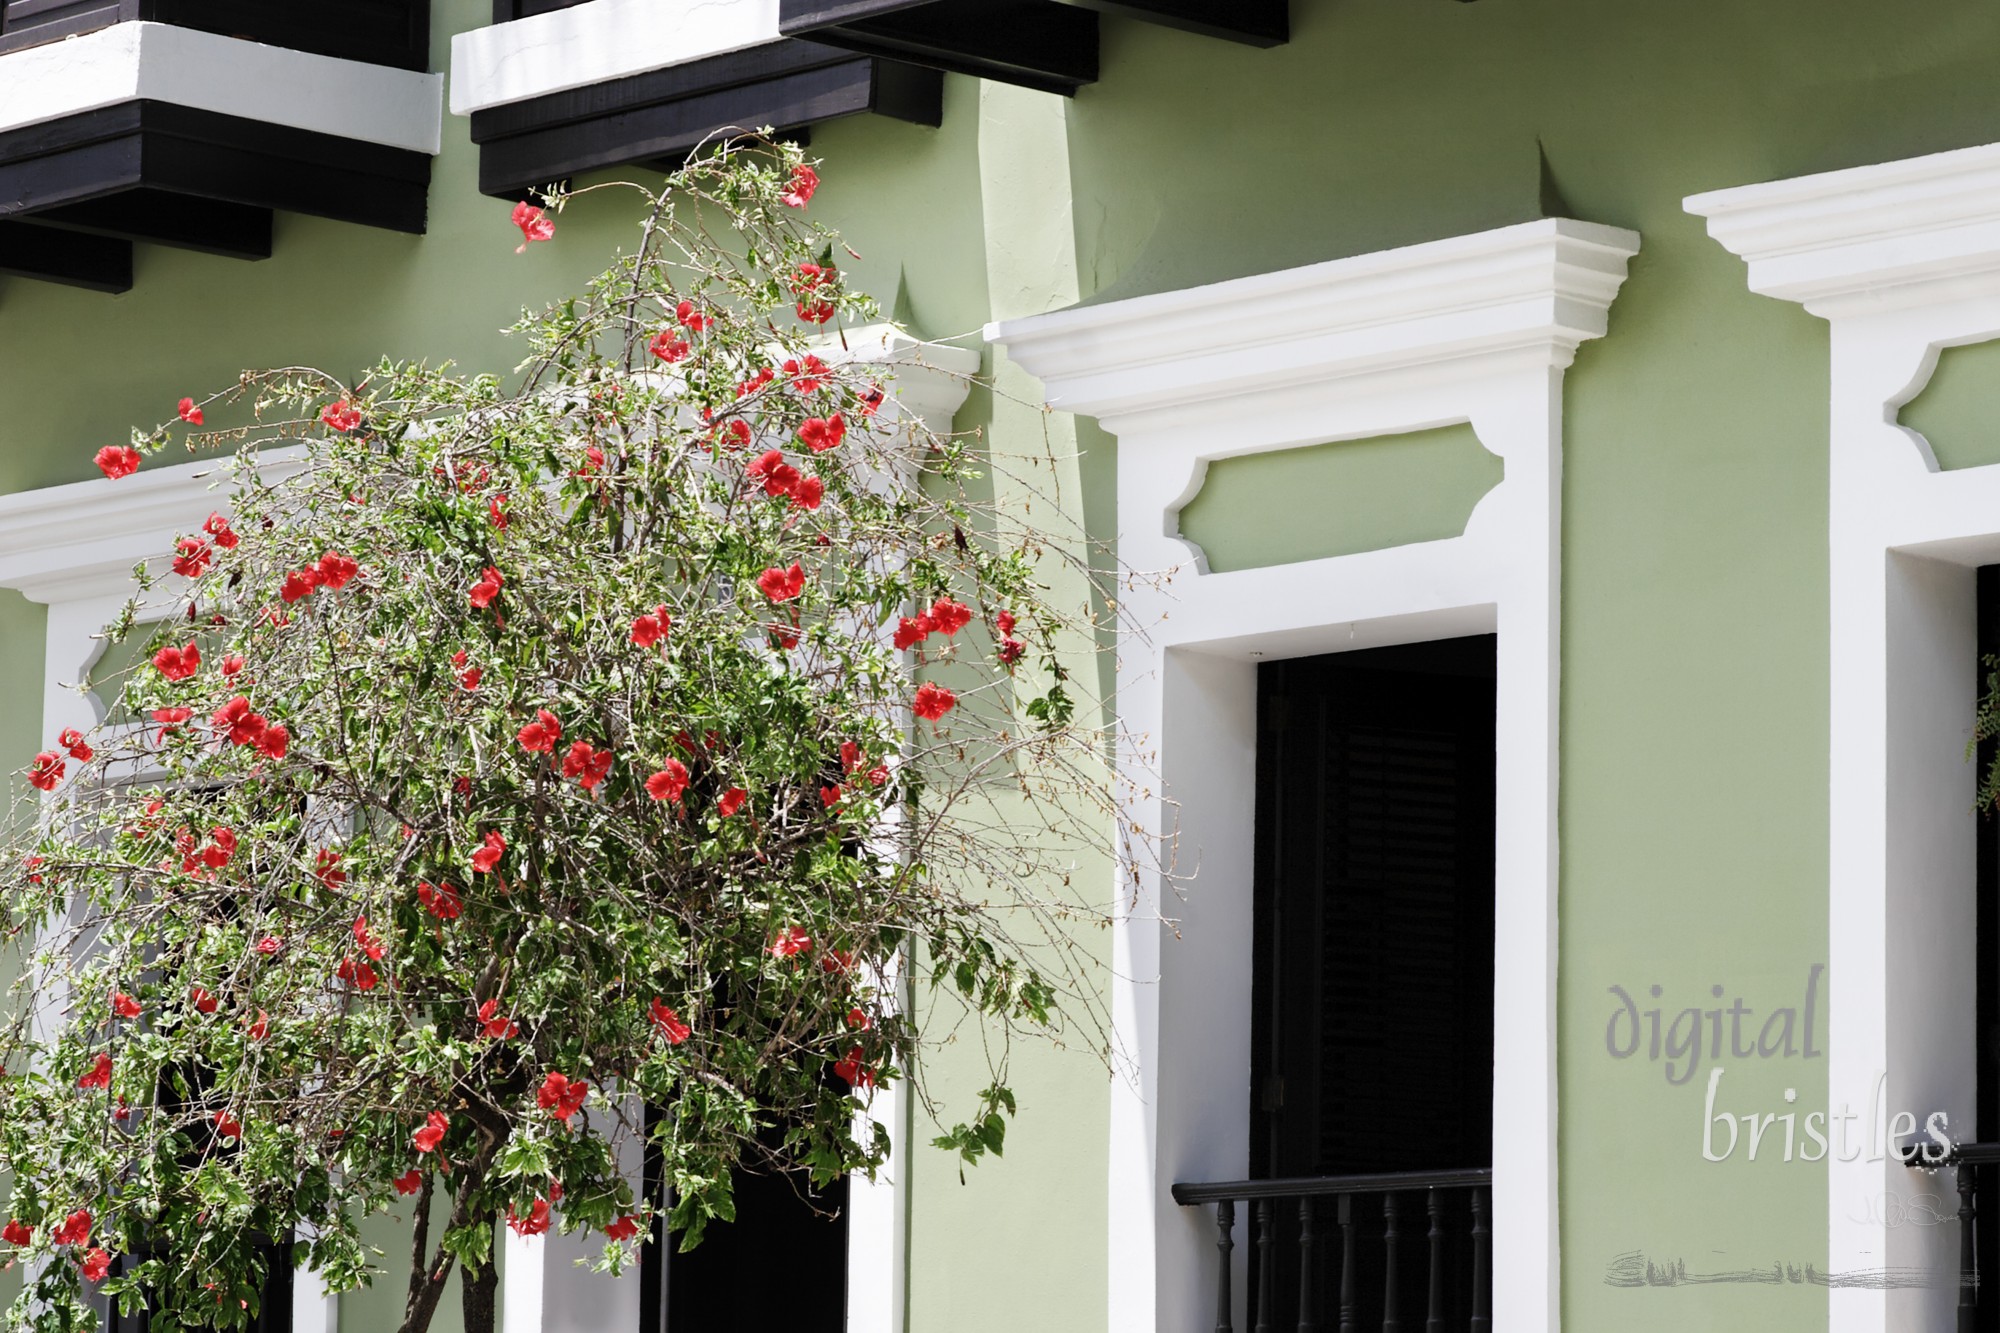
(1306, 1322)
(1225, 1241)
(1968, 1254)
(1348, 1323)
(1482, 1265)
(1267, 1248)
(1391, 1307)
(1434, 1320)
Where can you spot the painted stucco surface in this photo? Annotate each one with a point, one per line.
(1694, 634)
(1957, 411)
(1336, 499)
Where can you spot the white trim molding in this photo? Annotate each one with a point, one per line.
(595, 43)
(1474, 329)
(1902, 260)
(159, 62)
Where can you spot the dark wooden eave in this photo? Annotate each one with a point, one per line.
(75, 192)
(377, 32)
(1034, 43)
(659, 117)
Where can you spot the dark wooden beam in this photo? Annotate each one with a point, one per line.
(67, 257)
(662, 116)
(378, 32)
(182, 151)
(1253, 22)
(239, 231)
(1034, 43)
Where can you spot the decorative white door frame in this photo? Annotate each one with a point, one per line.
(1902, 259)
(1472, 329)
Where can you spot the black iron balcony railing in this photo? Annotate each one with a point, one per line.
(1964, 1160)
(1388, 1245)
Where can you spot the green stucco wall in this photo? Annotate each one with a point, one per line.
(1694, 733)
(1957, 410)
(1321, 500)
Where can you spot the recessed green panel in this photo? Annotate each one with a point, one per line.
(1336, 499)
(1958, 411)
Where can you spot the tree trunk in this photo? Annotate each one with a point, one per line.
(481, 1291)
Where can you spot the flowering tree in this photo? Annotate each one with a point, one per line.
(524, 752)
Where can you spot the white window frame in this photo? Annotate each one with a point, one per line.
(1474, 329)
(1902, 260)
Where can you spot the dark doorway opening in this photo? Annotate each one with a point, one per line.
(1372, 1027)
(1986, 888)
(780, 1267)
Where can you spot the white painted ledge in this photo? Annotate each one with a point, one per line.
(227, 75)
(1535, 290)
(595, 43)
(1866, 237)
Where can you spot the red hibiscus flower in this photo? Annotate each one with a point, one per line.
(489, 854)
(172, 718)
(732, 801)
(357, 971)
(495, 1024)
(871, 401)
(859, 1021)
(260, 1026)
(235, 719)
(431, 1134)
(807, 373)
(191, 557)
(950, 617)
(189, 412)
(117, 460)
(782, 585)
(16, 1232)
(562, 1095)
(441, 901)
(851, 1069)
(177, 663)
(933, 701)
(270, 946)
(221, 846)
(692, 317)
(342, 416)
(779, 477)
(203, 1001)
(535, 225)
(851, 757)
(410, 1181)
(232, 665)
(79, 749)
(756, 382)
(669, 782)
(541, 735)
(736, 435)
(832, 796)
(534, 1224)
(789, 942)
(326, 868)
(371, 943)
(913, 630)
(298, 585)
(95, 1265)
(669, 346)
(814, 285)
(74, 1229)
(588, 766)
(823, 433)
(483, 592)
(593, 461)
(799, 192)
(124, 1005)
(273, 741)
(808, 493)
(228, 1126)
(99, 1077)
(47, 770)
(217, 527)
(623, 1229)
(652, 627)
(468, 676)
(496, 509)
(669, 1023)
(337, 570)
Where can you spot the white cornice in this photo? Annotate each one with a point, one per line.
(1873, 237)
(931, 380)
(69, 543)
(160, 62)
(1535, 290)
(597, 42)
